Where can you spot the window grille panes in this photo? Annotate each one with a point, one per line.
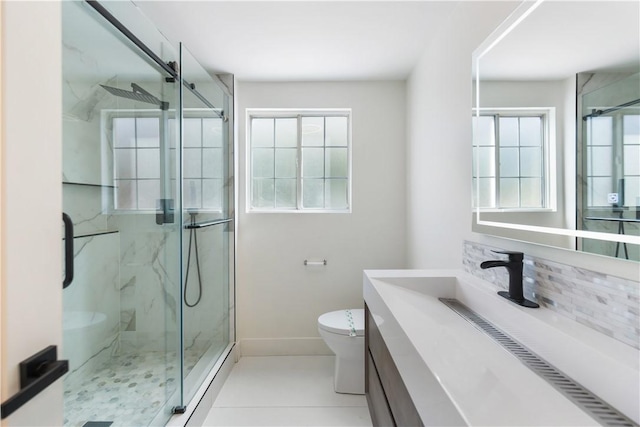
(137, 155)
(510, 161)
(631, 162)
(299, 161)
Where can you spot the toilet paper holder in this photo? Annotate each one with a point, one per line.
(307, 262)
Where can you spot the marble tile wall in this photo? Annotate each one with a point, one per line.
(149, 283)
(605, 303)
(92, 302)
(208, 320)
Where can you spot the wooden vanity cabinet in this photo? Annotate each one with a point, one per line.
(389, 401)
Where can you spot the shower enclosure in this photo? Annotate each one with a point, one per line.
(148, 184)
(609, 159)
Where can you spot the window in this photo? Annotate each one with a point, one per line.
(511, 164)
(612, 164)
(140, 169)
(299, 160)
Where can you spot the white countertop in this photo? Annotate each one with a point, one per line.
(441, 356)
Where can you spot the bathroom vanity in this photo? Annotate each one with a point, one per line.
(427, 365)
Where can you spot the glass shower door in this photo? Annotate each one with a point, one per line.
(122, 310)
(207, 184)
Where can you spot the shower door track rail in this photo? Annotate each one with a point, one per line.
(136, 41)
(205, 224)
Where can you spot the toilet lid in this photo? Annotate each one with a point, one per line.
(343, 322)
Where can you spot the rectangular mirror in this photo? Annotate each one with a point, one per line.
(557, 127)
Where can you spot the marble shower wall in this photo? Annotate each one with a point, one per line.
(92, 302)
(605, 303)
(207, 322)
(149, 283)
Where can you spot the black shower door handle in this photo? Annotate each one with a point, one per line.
(68, 250)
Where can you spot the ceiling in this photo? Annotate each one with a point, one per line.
(303, 40)
(562, 38)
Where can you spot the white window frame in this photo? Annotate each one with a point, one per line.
(549, 157)
(109, 150)
(251, 113)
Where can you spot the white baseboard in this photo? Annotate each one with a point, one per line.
(283, 347)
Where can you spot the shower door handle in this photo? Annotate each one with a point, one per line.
(68, 250)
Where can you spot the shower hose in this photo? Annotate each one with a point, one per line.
(193, 238)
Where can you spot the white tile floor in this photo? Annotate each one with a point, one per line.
(285, 391)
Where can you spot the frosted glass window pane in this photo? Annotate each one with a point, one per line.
(148, 194)
(509, 162)
(286, 193)
(599, 188)
(508, 131)
(530, 162)
(599, 131)
(212, 132)
(124, 132)
(632, 191)
(531, 192)
(262, 163)
(632, 160)
(313, 162)
(599, 162)
(286, 162)
(126, 194)
(172, 133)
(474, 162)
(487, 161)
(212, 193)
(631, 126)
(313, 131)
(509, 193)
(484, 131)
(192, 132)
(286, 132)
(192, 162)
(125, 163)
(212, 166)
(487, 192)
(263, 193)
(192, 193)
(149, 163)
(313, 193)
(336, 165)
(148, 132)
(337, 130)
(172, 165)
(336, 194)
(262, 132)
(530, 131)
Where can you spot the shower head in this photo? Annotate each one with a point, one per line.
(137, 94)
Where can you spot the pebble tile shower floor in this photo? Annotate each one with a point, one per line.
(127, 390)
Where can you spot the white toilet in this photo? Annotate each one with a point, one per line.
(343, 331)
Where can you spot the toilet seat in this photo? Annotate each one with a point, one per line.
(343, 322)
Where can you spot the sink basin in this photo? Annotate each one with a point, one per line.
(435, 286)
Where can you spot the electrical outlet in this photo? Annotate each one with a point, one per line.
(612, 198)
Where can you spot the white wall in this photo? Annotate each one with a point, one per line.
(439, 98)
(278, 298)
(439, 151)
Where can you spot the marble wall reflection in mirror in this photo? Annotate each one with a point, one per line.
(557, 127)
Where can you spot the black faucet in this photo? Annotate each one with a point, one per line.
(514, 267)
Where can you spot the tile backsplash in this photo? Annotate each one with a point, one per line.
(606, 303)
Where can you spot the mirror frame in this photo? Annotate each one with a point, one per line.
(511, 22)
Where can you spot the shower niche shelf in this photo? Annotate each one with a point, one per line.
(86, 184)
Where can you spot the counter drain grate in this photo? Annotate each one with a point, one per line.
(598, 409)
